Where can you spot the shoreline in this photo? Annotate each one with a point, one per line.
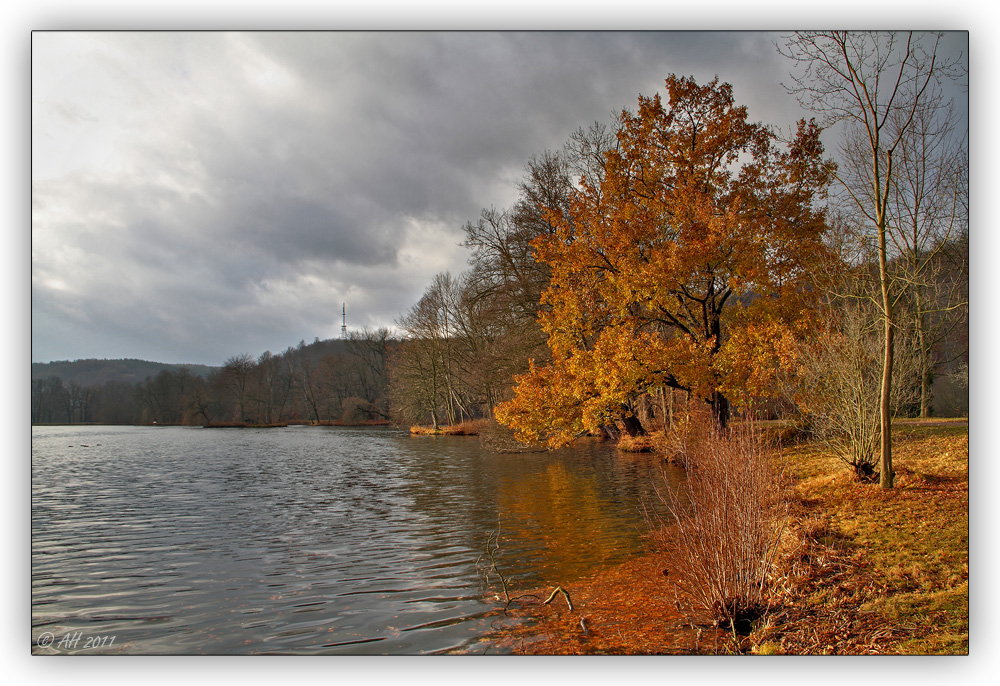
(626, 609)
(861, 571)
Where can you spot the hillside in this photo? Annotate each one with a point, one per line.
(95, 372)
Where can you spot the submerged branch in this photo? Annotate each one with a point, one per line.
(560, 589)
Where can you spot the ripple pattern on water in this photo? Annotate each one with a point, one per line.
(306, 540)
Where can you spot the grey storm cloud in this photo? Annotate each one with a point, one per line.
(197, 195)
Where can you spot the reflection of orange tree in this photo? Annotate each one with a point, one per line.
(564, 512)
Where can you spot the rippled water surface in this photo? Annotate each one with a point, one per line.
(307, 539)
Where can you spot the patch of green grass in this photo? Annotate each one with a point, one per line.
(944, 614)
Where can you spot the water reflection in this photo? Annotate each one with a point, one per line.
(580, 512)
(307, 540)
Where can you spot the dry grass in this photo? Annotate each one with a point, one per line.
(870, 571)
(471, 427)
(338, 422)
(638, 444)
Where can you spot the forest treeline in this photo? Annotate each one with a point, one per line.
(322, 382)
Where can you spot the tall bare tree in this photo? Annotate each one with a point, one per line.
(420, 369)
(876, 83)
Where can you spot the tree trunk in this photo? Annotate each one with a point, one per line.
(668, 413)
(885, 411)
(630, 423)
(720, 409)
(925, 392)
(886, 474)
(925, 357)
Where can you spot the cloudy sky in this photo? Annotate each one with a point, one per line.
(197, 195)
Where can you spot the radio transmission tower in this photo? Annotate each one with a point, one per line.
(343, 326)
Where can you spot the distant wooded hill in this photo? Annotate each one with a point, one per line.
(333, 380)
(88, 373)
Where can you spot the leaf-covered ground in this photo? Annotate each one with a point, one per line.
(629, 609)
(861, 571)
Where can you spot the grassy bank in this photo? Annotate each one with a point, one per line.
(872, 571)
(860, 571)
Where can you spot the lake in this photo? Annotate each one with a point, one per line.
(309, 540)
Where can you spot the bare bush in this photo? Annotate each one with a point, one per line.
(839, 385)
(729, 513)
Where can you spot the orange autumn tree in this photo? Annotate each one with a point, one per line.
(687, 267)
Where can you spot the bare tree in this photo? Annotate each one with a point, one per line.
(928, 202)
(494, 309)
(161, 397)
(202, 401)
(418, 368)
(876, 83)
(270, 387)
(80, 403)
(370, 353)
(236, 377)
(503, 261)
(306, 378)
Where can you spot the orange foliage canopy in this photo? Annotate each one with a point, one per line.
(687, 268)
